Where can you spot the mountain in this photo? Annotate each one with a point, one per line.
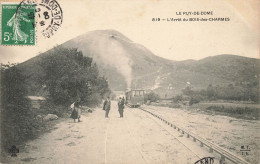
(127, 64)
(117, 57)
(229, 67)
(219, 70)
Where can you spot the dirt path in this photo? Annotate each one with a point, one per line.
(134, 139)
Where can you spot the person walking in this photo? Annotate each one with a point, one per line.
(107, 105)
(76, 111)
(119, 106)
(74, 114)
(122, 106)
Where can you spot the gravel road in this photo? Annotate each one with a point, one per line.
(135, 139)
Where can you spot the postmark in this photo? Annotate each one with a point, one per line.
(48, 14)
(208, 160)
(17, 25)
(49, 17)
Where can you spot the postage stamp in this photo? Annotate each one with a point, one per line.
(18, 24)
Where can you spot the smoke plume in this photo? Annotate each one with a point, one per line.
(110, 51)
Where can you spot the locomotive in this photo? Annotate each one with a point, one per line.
(134, 98)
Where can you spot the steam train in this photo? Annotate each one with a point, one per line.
(134, 98)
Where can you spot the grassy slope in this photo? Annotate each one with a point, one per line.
(217, 70)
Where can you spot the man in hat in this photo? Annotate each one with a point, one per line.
(121, 106)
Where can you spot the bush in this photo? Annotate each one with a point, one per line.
(49, 108)
(236, 111)
(177, 98)
(229, 92)
(194, 100)
(152, 97)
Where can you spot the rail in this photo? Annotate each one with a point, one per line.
(224, 154)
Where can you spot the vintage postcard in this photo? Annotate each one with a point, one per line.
(130, 81)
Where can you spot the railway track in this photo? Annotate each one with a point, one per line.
(134, 141)
(185, 145)
(224, 154)
(105, 147)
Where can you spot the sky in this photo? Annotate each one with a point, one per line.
(171, 40)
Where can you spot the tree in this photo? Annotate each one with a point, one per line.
(177, 98)
(70, 76)
(211, 92)
(194, 100)
(15, 113)
(152, 97)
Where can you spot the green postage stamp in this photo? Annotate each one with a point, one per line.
(17, 24)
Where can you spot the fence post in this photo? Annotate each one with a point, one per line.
(222, 158)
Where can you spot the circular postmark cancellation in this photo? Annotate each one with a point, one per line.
(48, 15)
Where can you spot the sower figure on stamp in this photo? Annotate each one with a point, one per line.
(107, 105)
(16, 21)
